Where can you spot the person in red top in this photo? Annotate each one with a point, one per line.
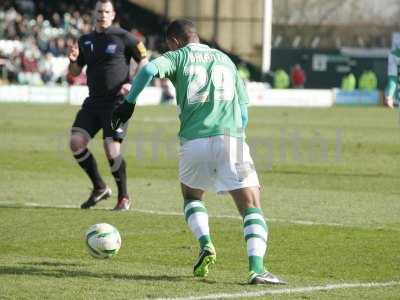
(298, 77)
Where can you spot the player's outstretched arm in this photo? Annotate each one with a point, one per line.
(146, 74)
(123, 112)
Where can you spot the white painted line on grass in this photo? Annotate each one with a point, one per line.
(33, 204)
(298, 290)
(166, 213)
(298, 222)
(274, 220)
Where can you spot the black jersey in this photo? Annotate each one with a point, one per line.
(107, 56)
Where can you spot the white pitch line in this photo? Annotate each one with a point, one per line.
(274, 220)
(299, 290)
(166, 213)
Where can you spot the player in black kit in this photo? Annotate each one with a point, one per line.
(107, 52)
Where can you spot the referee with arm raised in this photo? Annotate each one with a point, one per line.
(107, 52)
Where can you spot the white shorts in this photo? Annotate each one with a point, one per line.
(218, 163)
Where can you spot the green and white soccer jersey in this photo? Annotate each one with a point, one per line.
(394, 73)
(208, 91)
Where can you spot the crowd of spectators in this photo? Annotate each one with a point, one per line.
(34, 39)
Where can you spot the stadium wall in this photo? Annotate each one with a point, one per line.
(259, 94)
(74, 95)
(357, 97)
(325, 68)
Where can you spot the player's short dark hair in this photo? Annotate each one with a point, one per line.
(105, 1)
(182, 29)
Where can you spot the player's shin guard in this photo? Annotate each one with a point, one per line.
(118, 170)
(197, 219)
(255, 233)
(88, 163)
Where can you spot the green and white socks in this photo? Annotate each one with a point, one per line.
(256, 234)
(254, 227)
(197, 219)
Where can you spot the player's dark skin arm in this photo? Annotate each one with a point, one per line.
(123, 112)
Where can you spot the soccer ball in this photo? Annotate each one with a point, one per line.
(103, 240)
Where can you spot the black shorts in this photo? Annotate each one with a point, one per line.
(89, 121)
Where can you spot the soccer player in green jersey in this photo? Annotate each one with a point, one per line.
(392, 87)
(212, 104)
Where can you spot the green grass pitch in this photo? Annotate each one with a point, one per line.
(331, 193)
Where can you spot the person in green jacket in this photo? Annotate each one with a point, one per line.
(348, 82)
(281, 79)
(368, 81)
(244, 72)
